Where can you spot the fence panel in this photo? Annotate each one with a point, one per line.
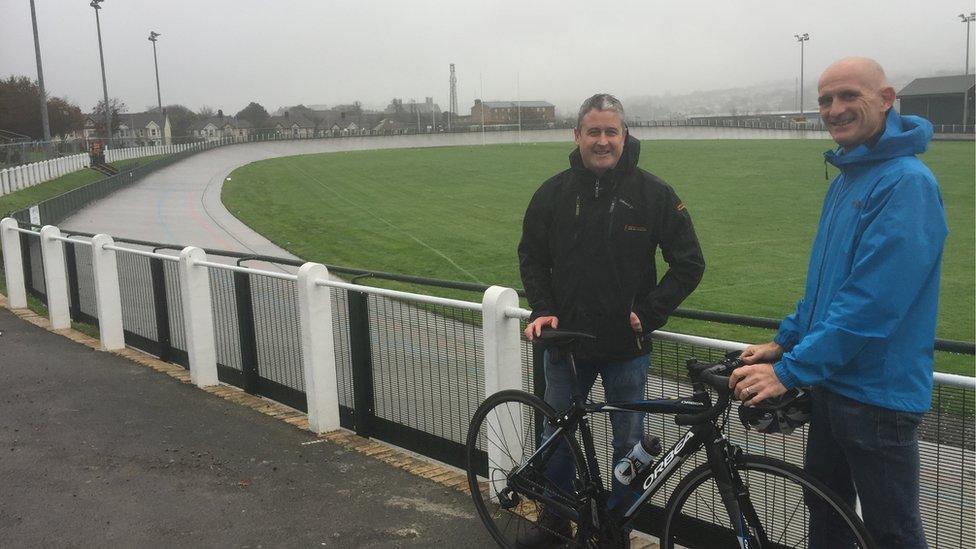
(278, 340)
(427, 374)
(138, 304)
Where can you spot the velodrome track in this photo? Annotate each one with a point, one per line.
(180, 204)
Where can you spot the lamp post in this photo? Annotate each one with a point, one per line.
(967, 19)
(153, 35)
(101, 58)
(801, 38)
(45, 125)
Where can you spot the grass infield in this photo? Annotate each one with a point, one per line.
(456, 213)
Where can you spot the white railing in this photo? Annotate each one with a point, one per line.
(501, 318)
(499, 307)
(501, 331)
(27, 175)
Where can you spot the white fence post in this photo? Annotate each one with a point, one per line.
(503, 370)
(503, 359)
(13, 264)
(108, 298)
(55, 277)
(318, 348)
(4, 182)
(198, 317)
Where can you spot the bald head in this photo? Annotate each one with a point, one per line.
(854, 97)
(864, 69)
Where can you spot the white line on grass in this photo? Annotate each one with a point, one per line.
(403, 231)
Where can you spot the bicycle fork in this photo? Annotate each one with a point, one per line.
(735, 494)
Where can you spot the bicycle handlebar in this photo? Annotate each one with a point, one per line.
(716, 376)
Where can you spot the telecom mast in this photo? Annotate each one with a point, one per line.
(453, 107)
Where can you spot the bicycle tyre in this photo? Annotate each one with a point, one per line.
(517, 411)
(695, 516)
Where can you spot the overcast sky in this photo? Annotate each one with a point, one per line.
(225, 53)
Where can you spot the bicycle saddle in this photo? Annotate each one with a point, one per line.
(551, 337)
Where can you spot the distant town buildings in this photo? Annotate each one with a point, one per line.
(220, 126)
(135, 129)
(511, 112)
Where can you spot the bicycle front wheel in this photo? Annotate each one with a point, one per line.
(776, 499)
(504, 433)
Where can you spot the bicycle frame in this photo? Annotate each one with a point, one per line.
(652, 478)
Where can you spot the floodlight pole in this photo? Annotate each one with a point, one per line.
(153, 35)
(101, 58)
(45, 124)
(801, 38)
(518, 106)
(967, 19)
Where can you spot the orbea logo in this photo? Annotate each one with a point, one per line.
(668, 459)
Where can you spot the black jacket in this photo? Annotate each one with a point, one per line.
(587, 254)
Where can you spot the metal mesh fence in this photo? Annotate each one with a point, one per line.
(174, 305)
(224, 306)
(276, 330)
(340, 328)
(35, 270)
(427, 371)
(135, 288)
(86, 280)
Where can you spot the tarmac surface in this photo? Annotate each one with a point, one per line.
(97, 451)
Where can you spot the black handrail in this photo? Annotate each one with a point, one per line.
(947, 345)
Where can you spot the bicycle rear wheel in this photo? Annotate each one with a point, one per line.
(504, 433)
(781, 495)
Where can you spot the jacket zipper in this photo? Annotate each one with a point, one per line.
(830, 225)
(613, 205)
(596, 189)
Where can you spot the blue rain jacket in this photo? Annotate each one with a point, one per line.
(865, 327)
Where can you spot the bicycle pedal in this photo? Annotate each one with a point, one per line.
(508, 499)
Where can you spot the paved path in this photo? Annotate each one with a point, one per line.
(98, 451)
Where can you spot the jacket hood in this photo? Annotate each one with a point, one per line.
(627, 162)
(903, 136)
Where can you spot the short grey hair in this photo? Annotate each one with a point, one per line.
(601, 102)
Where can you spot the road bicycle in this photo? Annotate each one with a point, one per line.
(732, 500)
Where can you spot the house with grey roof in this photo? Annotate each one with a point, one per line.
(941, 100)
(293, 125)
(137, 129)
(219, 127)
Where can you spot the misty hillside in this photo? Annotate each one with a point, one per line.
(769, 97)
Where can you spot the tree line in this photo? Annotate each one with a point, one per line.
(20, 112)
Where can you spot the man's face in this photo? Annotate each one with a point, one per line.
(600, 137)
(852, 107)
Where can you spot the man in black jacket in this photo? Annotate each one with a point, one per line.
(587, 260)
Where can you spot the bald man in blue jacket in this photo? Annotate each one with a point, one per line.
(862, 335)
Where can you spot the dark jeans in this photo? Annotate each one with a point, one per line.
(851, 444)
(622, 381)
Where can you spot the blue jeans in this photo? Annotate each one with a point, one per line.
(622, 381)
(851, 444)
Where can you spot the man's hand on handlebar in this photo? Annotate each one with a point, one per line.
(755, 383)
(535, 327)
(765, 353)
